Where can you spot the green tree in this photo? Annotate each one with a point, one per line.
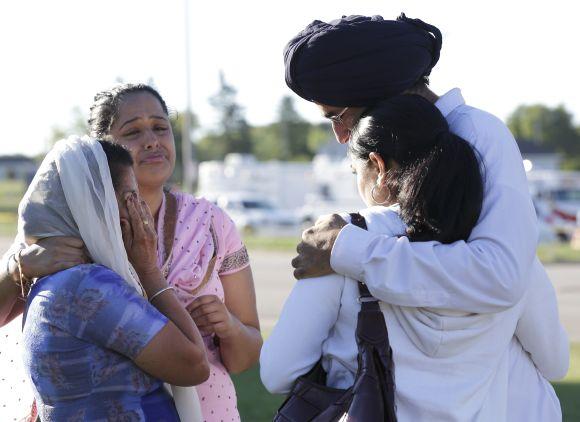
(290, 137)
(267, 144)
(293, 131)
(233, 129)
(552, 127)
(77, 125)
(211, 147)
(318, 135)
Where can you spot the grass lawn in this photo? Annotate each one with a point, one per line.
(568, 390)
(11, 191)
(7, 224)
(254, 402)
(279, 244)
(558, 253)
(257, 405)
(549, 253)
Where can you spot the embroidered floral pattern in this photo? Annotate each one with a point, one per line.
(81, 325)
(234, 261)
(88, 304)
(130, 342)
(104, 366)
(57, 310)
(140, 381)
(49, 366)
(79, 416)
(116, 412)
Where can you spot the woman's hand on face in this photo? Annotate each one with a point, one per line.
(139, 236)
(211, 316)
(51, 255)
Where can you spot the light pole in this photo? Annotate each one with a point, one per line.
(187, 160)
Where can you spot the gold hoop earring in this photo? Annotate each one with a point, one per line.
(374, 199)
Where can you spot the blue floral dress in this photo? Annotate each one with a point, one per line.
(83, 327)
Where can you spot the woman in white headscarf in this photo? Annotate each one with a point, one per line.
(95, 335)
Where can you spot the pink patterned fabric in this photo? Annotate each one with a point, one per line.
(201, 230)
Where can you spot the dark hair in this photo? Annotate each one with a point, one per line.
(119, 160)
(105, 108)
(438, 185)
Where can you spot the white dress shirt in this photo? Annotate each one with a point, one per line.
(488, 273)
(449, 365)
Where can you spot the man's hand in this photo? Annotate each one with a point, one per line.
(211, 316)
(313, 258)
(51, 255)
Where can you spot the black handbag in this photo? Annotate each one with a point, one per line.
(372, 396)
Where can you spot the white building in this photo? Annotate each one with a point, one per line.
(324, 185)
(17, 167)
(538, 157)
(285, 184)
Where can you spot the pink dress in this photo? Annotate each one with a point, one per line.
(203, 230)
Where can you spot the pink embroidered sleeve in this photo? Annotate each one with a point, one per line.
(235, 254)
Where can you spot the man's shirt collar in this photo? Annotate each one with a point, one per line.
(449, 101)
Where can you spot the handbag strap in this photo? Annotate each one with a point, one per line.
(366, 299)
(374, 347)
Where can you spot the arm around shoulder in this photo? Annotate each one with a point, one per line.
(488, 273)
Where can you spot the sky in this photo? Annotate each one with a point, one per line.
(55, 55)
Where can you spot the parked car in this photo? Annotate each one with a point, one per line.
(558, 209)
(254, 213)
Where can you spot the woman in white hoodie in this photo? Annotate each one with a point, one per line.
(421, 182)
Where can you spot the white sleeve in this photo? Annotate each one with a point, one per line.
(486, 274)
(295, 344)
(490, 272)
(539, 329)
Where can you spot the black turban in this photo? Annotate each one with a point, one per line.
(360, 60)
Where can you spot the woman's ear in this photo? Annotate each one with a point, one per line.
(378, 162)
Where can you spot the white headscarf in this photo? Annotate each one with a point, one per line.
(72, 195)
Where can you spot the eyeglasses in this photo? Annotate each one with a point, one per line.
(338, 117)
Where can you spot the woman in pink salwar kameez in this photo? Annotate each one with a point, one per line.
(206, 249)
(199, 249)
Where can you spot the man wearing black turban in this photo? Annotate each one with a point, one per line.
(351, 64)
(356, 61)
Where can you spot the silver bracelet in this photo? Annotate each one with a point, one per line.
(159, 292)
